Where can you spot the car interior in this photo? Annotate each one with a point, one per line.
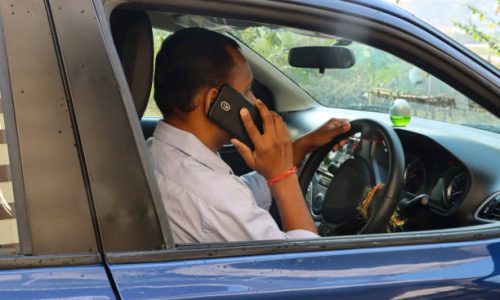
(441, 180)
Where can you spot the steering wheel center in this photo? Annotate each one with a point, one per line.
(346, 191)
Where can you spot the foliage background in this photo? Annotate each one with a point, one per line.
(356, 88)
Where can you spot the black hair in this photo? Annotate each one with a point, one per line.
(188, 60)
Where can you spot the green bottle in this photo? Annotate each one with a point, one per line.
(400, 113)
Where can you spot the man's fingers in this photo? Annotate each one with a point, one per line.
(250, 127)
(245, 152)
(339, 145)
(280, 127)
(338, 126)
(265, 114)
(334, 122)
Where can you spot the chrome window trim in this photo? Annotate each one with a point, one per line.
(203, 251)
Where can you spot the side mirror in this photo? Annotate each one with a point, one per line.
(321, 57)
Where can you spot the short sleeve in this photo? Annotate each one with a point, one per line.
(260, 191)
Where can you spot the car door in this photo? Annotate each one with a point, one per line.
(143, 260)
(48, 247)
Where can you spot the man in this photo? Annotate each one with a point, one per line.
(205, 201)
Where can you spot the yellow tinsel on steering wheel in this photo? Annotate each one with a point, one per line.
(394, 222)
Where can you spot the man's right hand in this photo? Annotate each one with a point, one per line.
(272, 156)
(273, 153)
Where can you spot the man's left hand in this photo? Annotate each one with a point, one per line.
(319, 137)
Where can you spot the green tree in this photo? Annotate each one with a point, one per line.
(492, 22)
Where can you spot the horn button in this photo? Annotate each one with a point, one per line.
(346, 191)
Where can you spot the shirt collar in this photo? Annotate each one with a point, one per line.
(189, 144)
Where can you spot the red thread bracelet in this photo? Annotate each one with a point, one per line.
(284, 175)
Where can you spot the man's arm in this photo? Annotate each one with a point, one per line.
(319, 137)
(303, 145)
(271, 157)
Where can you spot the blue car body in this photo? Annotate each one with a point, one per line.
(461, 270)
(453, 270)
(56, 283)
(112, 242)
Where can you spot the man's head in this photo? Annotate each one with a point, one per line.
(189, 60)
(191, 66)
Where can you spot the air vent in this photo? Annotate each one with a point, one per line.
(490, 210)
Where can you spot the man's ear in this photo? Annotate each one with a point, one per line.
(209, 99)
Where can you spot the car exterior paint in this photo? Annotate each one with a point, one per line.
(457, 270)
(433, 268)
(84, 282)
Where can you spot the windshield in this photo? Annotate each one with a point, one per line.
(372, 84)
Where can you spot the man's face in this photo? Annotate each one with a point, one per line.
(240, 77)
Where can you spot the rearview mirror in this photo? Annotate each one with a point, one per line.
(321, 57)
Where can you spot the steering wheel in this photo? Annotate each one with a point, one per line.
(356, 176)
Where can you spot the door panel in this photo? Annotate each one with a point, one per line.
(52, 195)
(458, 270)
(89, 282)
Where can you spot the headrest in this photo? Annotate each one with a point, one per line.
(133, 37)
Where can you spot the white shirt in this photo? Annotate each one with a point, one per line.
(205, 201)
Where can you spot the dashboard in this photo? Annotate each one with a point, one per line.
(435, 178)
(454, 168)
(432, 170)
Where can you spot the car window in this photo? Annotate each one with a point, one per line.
(9, 238)
(372, 84)
(158, 37)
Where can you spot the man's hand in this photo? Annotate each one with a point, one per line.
(319, 137)
(273, 152)
(272, 156)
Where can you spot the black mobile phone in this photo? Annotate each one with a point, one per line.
(225, 112)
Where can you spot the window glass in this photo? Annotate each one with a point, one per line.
(9, 238)
(159, 36)
(372, 84)
(475, 24)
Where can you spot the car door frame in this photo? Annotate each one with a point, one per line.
(313, 16)
(41, 144)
